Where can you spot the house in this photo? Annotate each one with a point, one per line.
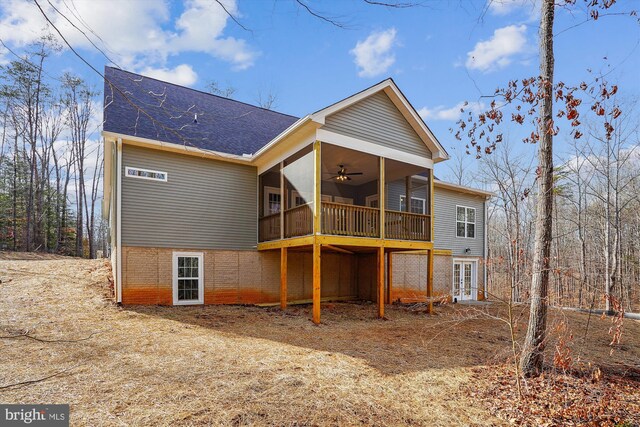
(214, 201)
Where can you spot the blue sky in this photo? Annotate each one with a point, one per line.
(440, 54)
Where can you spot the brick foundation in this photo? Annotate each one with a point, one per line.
(251, 277)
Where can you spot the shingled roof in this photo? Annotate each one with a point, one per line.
(166, 112)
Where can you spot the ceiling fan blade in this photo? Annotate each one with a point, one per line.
(354, 173)
(348, 178)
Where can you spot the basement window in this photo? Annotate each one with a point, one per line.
(465, 222)
(188, 280)
(145, 174)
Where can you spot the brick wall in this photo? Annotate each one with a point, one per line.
(234, 277)
(250, 277)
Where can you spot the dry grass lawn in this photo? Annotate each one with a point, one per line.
(228, 365)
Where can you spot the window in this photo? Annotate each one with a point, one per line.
(298, 199)
(146, 174)
(188, 280)
(372, 201)
(272, 200)
(465, 222)
(417, 205)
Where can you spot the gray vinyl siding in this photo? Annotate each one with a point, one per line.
(445, 203)
(376, 119)
(205, 204)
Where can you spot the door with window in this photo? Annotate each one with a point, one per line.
(464, 280)
(188, 278)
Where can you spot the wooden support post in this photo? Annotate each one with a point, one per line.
(317, 189)
(389, 277)
(283, 200)
(381, 197)
(381, 282)
(407, 194)
(431, 198)
(283, 278)
(316, 283)
(430, 282)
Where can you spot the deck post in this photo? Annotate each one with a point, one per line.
(381, 197)
(283, 278)
(389, 277)
(283, 200)
(316, 282)
(317, 191)
(381, 295)
(430, 282)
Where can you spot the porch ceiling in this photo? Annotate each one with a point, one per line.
(354, 161)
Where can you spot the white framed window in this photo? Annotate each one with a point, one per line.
(132, 172)
(372, 201)
(417, 205)
(465, 222)
(272, 200)
(298, 199)
(188, 278)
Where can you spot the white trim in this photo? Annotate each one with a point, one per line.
(462, 189)
(285, 133)
(200, 256)
(371, 148)
(474, 278)
(180, 148)
(293, 149)
(424, 203)
(265, 199)
(119, 222)
(128, 169)
(475, 222)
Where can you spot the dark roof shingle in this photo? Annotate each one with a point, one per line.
(186, 116)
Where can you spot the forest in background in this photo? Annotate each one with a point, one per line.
(596, 217)
(50, 159)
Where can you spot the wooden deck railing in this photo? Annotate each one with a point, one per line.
(407, 226)
(346, 220)
(298, 221)
(350, 220)
(269, 227)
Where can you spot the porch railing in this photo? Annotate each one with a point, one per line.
(407, 226)
(350, 220)
(346, 220)
(298, 221)
(269, 227)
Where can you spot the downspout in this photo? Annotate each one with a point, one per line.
(119, 221)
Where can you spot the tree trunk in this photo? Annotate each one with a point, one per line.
(532, 358)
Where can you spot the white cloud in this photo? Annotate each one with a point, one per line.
(182, 75)
(374, 55)
(452, 114)
(506, 7)
(142, 32)
(499, 50)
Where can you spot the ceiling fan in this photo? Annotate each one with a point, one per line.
(342, 174)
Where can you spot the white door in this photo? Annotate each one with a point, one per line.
(464, 280)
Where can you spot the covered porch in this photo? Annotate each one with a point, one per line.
(330, 198)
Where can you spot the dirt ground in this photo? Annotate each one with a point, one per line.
(231, 365)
